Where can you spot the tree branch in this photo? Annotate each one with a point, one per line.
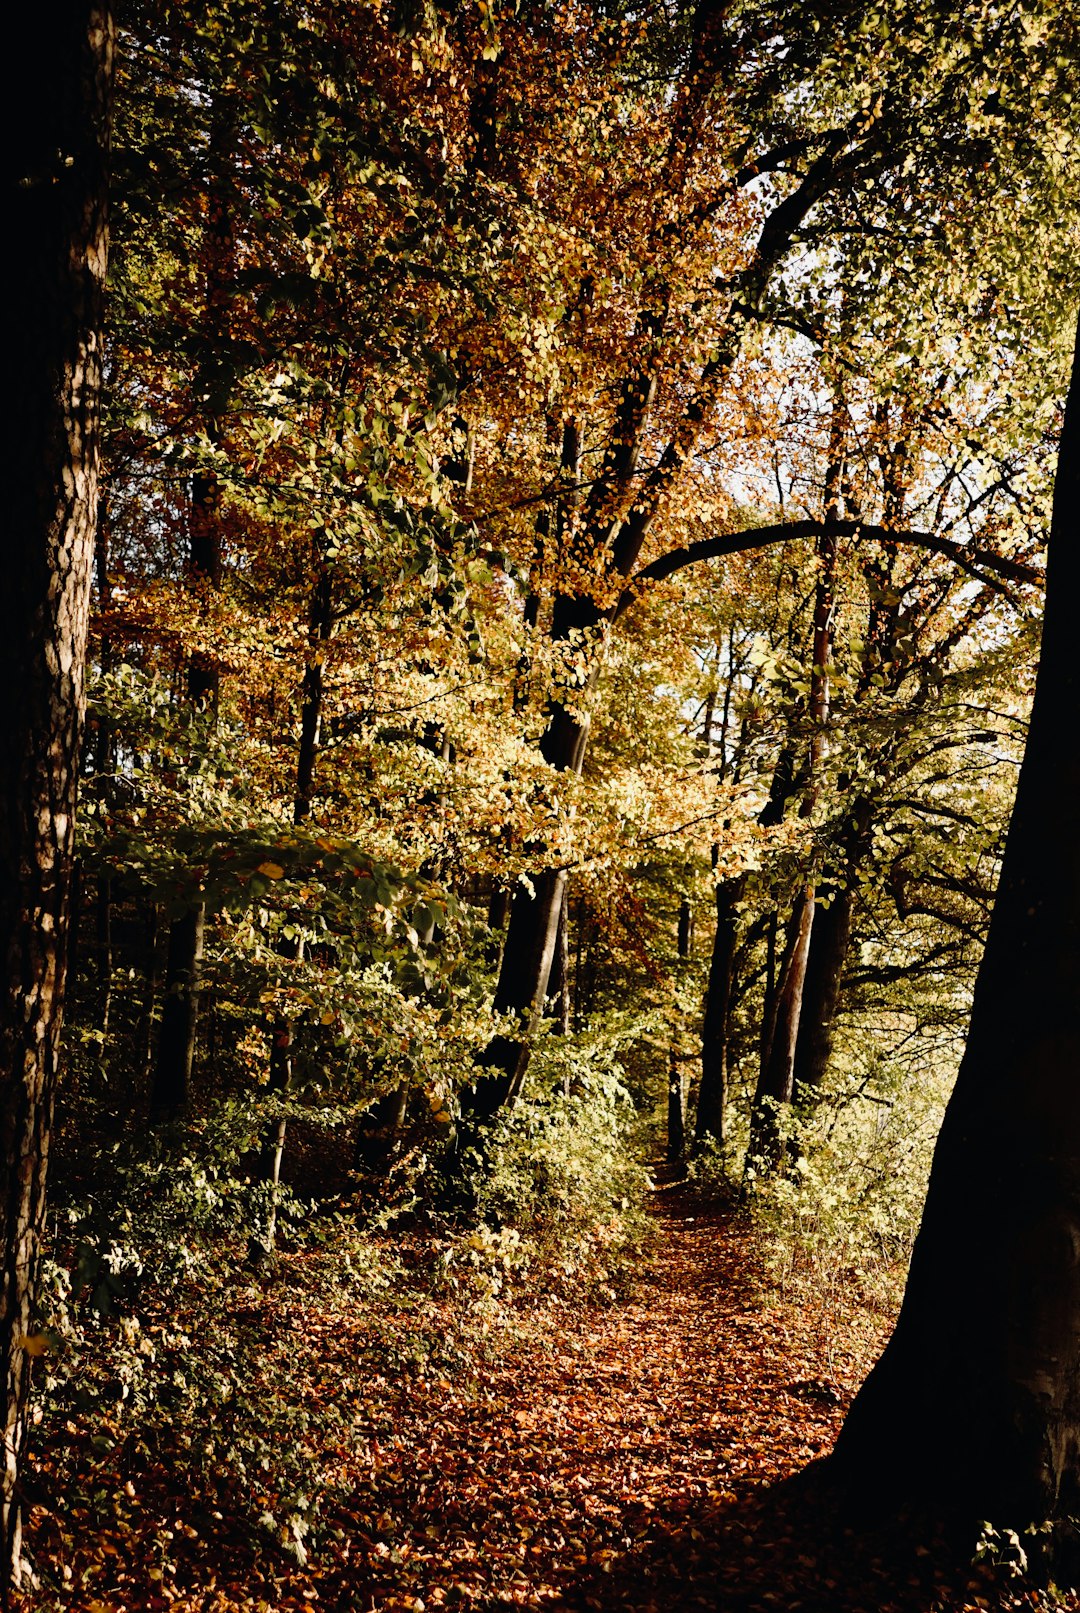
(976, 562)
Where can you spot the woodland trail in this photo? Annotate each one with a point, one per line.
(628, 1453)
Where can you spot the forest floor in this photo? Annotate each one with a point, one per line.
(630, 1452)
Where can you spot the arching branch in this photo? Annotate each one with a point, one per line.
(989, 568)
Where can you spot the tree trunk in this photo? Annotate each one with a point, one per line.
(149, 1012)
(829, 942)
(974, 1407)
(776, 1081)
(776, 1085)
(56, 175)
(320, 627)
(560, 979)
(179, 1015)
(171, 1088)
(531, 938)
(715, 1031)
(677, 1094)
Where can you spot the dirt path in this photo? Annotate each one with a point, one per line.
(629, 1454)
(610, 1466)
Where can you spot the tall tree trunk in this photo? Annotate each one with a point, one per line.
(179, 1015)
(776, 1084)
(715, 1030)
(56, 181)
(532, 933)
(560, 979)
(320, 627)
(974, 1407)
(528, 951)
(149, 1010)
(676, 1113)
(829, 942)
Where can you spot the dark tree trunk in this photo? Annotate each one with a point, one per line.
(974, 1407)
(560, 977)
(528, 951)
(777, 1083)
(149, 1012)
(829, 942)
(715, 1031)
(105, 955)
(676, 1107)
(311, 697)
(56, 185)
(320, 627)
(677, 1094)
(179, 1015)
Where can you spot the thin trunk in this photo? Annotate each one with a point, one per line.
(676, 1107)
(151, 990)
(768, 1002)
(560, 982)
(974, 1407)
(716, 1031)
(261, 1244)
(56, 164)
(171, 1087)
(105, 956)
(776, 1084)
(320, 627)
(677, 1094)
(179, 1015)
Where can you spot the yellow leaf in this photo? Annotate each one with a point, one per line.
(271, 870)
(33, 1343)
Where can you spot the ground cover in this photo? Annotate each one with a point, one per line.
(632, 1447)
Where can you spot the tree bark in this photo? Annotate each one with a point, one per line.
(829, 942)
(179, 1015)
(715, 1030)
(974, 1407)
(56, 167)
(677, 1085)
(777, 1082)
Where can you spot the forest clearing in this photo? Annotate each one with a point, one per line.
(539, 635)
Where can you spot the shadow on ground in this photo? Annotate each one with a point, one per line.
(789, 1547)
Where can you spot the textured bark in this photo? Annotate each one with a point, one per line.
(56, 170)
(974, 1407)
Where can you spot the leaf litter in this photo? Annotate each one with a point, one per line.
(636, 1451)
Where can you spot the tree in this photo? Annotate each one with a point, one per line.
(974, 1406)
(56, 206)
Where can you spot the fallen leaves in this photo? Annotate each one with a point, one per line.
(629, 1455)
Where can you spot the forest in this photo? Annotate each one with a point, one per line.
(539, 845)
